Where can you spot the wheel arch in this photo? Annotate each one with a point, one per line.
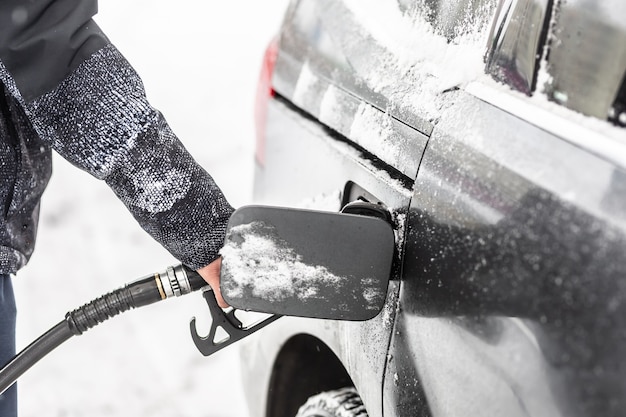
(304, 366)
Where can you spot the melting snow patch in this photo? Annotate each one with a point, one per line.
(258, 263)
(373, 130)
(258, 259)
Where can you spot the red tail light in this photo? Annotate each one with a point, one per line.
(263, 94)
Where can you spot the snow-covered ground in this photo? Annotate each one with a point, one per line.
(200, 62)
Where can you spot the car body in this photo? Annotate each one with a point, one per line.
(493, 132)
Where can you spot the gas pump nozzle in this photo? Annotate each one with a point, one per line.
(172, 282)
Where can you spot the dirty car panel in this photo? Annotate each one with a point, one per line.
(513, 281)
(499, 148)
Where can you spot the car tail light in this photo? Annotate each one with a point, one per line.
(263, 94)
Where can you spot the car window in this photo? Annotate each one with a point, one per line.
(571, 52)
(516, 41)
(587, 58)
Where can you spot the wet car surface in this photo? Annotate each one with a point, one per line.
(493, 132)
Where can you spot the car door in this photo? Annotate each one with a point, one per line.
(513, 299)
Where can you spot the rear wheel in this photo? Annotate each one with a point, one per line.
(344, 402)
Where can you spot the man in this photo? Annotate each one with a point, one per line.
(63, 86)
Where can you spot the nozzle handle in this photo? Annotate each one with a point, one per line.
(208, 345)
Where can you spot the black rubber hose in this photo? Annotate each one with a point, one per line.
(33, 353)
(76, 322)
(103, 308)
(141, 292)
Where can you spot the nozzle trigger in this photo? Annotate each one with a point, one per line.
(235, 330)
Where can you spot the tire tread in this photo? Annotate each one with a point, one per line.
(344, 402)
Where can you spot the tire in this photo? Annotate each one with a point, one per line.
(344, 402)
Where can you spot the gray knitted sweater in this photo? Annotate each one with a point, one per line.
(64, 87)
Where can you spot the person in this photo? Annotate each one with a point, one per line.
(65, 87)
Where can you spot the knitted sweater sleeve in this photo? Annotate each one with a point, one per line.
(98, 118)
(94, 112)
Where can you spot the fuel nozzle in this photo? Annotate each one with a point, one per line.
(178, 280)
(173, 282)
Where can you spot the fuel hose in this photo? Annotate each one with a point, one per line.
(173, 282)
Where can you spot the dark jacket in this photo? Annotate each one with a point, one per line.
(63, 86)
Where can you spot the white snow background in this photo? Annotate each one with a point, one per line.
(200, 62)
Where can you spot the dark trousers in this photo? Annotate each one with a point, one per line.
(8, 400)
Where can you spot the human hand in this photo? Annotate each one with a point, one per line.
(211, 274)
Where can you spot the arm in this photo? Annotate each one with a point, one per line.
(84, 99)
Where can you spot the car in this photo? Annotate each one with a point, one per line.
(493, 133)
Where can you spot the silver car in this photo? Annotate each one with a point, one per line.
(492, 132)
